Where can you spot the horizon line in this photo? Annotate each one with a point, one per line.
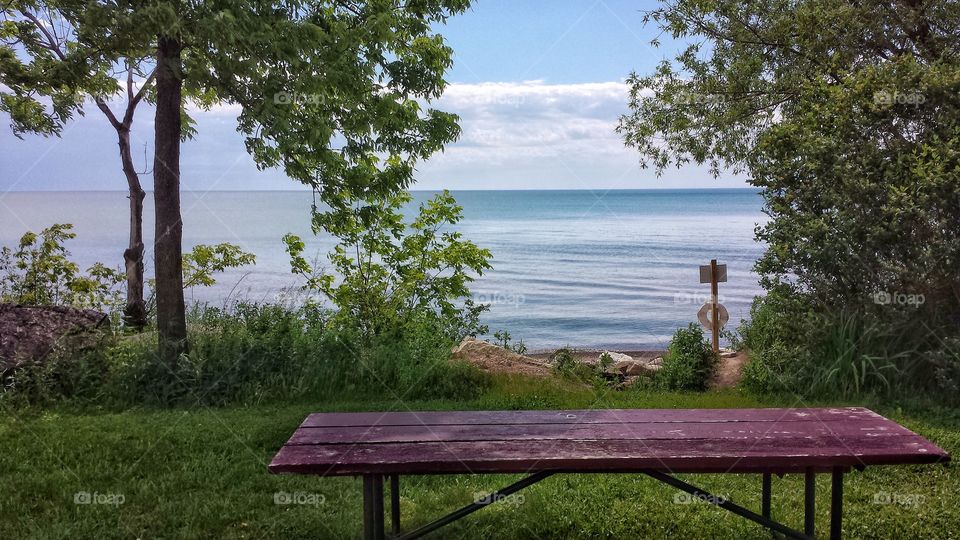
(719, 188)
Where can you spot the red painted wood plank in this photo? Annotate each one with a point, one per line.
(625, 431)
(677, 440)
(592, 416)
(697, 455)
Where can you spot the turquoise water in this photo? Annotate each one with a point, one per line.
(584, 268)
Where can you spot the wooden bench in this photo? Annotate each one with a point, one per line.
(654, 442)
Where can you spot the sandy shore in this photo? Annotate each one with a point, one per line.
(729, 371)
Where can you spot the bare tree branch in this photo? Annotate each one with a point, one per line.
(52, 43)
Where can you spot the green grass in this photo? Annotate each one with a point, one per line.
(201, 473)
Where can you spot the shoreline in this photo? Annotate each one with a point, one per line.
(592, 353)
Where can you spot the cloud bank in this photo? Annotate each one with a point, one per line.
(515, 135)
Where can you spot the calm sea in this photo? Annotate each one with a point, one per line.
(583, 268)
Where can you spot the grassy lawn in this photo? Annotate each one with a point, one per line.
(202, 474)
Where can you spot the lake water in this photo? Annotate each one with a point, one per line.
(583, 268)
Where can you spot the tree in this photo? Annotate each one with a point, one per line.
(330, 91)
(846, 115)
(41, 56)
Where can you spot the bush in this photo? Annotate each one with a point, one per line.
(39, 272)
(564, 362)
(689, 363)
(773, 369)
(504, 339)
(846, 353)
(413, 360)
(772, 337)
(386, 270)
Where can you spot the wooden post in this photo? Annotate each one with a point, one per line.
(714, 311)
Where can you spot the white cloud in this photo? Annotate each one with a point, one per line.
(555, 132)
(531, 134)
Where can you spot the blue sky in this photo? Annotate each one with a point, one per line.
(538, 86)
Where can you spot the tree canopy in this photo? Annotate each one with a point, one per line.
(844, 113)
(334, 92)
(331, 91)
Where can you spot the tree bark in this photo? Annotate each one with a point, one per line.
(171, 317)
(135, 312)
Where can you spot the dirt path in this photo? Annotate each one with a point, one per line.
(729, 371)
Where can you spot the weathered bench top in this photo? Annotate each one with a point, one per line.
(613, 440)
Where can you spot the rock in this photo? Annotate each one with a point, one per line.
(633, 368)
(618, 357)
(628, 367)
(490, 357)
(30, 333)
(658, 361)
(727, 353)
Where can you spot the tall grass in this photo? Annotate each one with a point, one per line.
(253, 353)
(848, 353)
(856, 355)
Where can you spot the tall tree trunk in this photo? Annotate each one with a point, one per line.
(135, 312)
(171, 317)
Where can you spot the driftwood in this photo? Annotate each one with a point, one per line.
(31, 333)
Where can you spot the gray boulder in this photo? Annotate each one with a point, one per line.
(31, 333)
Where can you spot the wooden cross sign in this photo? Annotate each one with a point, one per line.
(713, 274)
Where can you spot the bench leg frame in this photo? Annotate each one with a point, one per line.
(373, 507)
(373, 511)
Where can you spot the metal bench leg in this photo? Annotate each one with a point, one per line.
(721, 502)
(809, 502)
(395, 504)
(765, 496)
(836, 505)
(476, 505)
(373, 507)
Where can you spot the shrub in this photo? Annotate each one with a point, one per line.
(413, 360)
(504, 339)
(689, 363)
(773, 369)
(39, 272)
(386, 271)
(945, 364)
(566, 364)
